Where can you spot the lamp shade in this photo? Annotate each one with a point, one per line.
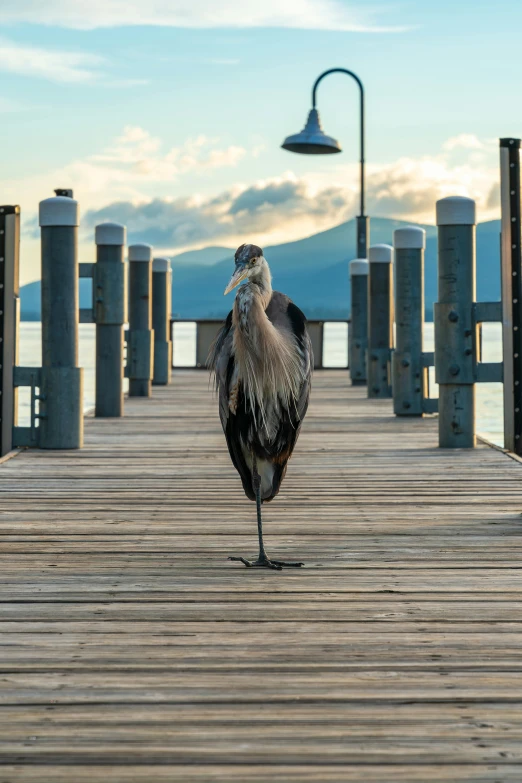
(312, 140)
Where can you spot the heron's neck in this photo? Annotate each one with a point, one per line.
(262, 284)
(253, 298)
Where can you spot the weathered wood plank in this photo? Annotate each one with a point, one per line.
(132, 650)
(482, 772)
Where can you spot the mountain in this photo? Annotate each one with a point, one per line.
(204, 257)
(312, 271)
(30, 305)
(488, 266)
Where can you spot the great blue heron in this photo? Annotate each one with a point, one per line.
(262, 359)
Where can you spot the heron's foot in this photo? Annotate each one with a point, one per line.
(285, 564)
(264, 562)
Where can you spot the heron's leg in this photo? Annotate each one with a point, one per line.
(256, 481)
(263, 560)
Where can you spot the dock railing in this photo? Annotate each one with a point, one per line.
(208, 328)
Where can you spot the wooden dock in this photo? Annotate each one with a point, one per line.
(132, 650)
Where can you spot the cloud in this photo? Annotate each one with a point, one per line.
(286, 202)
(465, 141)
(128, 180)
(191, 221)
(137, 157)
(304, 14)
(58, 66)
(493, 199)
(410, 187)
(64, 67)
(266, 196)
(134, 164)
(289, 207)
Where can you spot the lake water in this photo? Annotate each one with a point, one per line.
(335, 352)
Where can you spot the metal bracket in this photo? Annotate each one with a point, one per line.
(87, 313)
(126, 338)
(487, 312)
(86, 270)
(28, 376)
(490, 372)
(430, 405)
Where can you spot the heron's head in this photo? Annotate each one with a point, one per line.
(250, 263)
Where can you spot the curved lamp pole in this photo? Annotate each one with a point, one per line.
(313, 141)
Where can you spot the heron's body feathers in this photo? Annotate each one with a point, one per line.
(262, 360)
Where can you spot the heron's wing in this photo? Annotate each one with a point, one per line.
(218, 346)
(221, 362)
(286, 315)
(237, 428)
(218, 360)
(304, 345)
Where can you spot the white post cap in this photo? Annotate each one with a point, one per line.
(140, 253)
(381, 254)
(359, 266)
(409, 238)
(59, 211)
(161, 265)
(110, 234)
(456, 211)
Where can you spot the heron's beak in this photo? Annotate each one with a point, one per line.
(240, 272)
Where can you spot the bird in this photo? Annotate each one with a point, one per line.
(262, 362)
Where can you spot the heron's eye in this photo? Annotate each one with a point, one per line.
(253, 261)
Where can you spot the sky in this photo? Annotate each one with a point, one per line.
(168, 115)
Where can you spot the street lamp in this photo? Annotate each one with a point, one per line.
(313, 141)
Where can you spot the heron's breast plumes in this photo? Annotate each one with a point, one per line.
(269, 361)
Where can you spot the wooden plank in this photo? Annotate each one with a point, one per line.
(132, 650)
(240, 773)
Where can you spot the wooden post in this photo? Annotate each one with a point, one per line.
(161, 311)
(140, 335)
(511, 260)
(358, 330)
(407, 359)
(380, 320)
(110, 316)
(61, 398)
(9, 322)
(455, 325)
